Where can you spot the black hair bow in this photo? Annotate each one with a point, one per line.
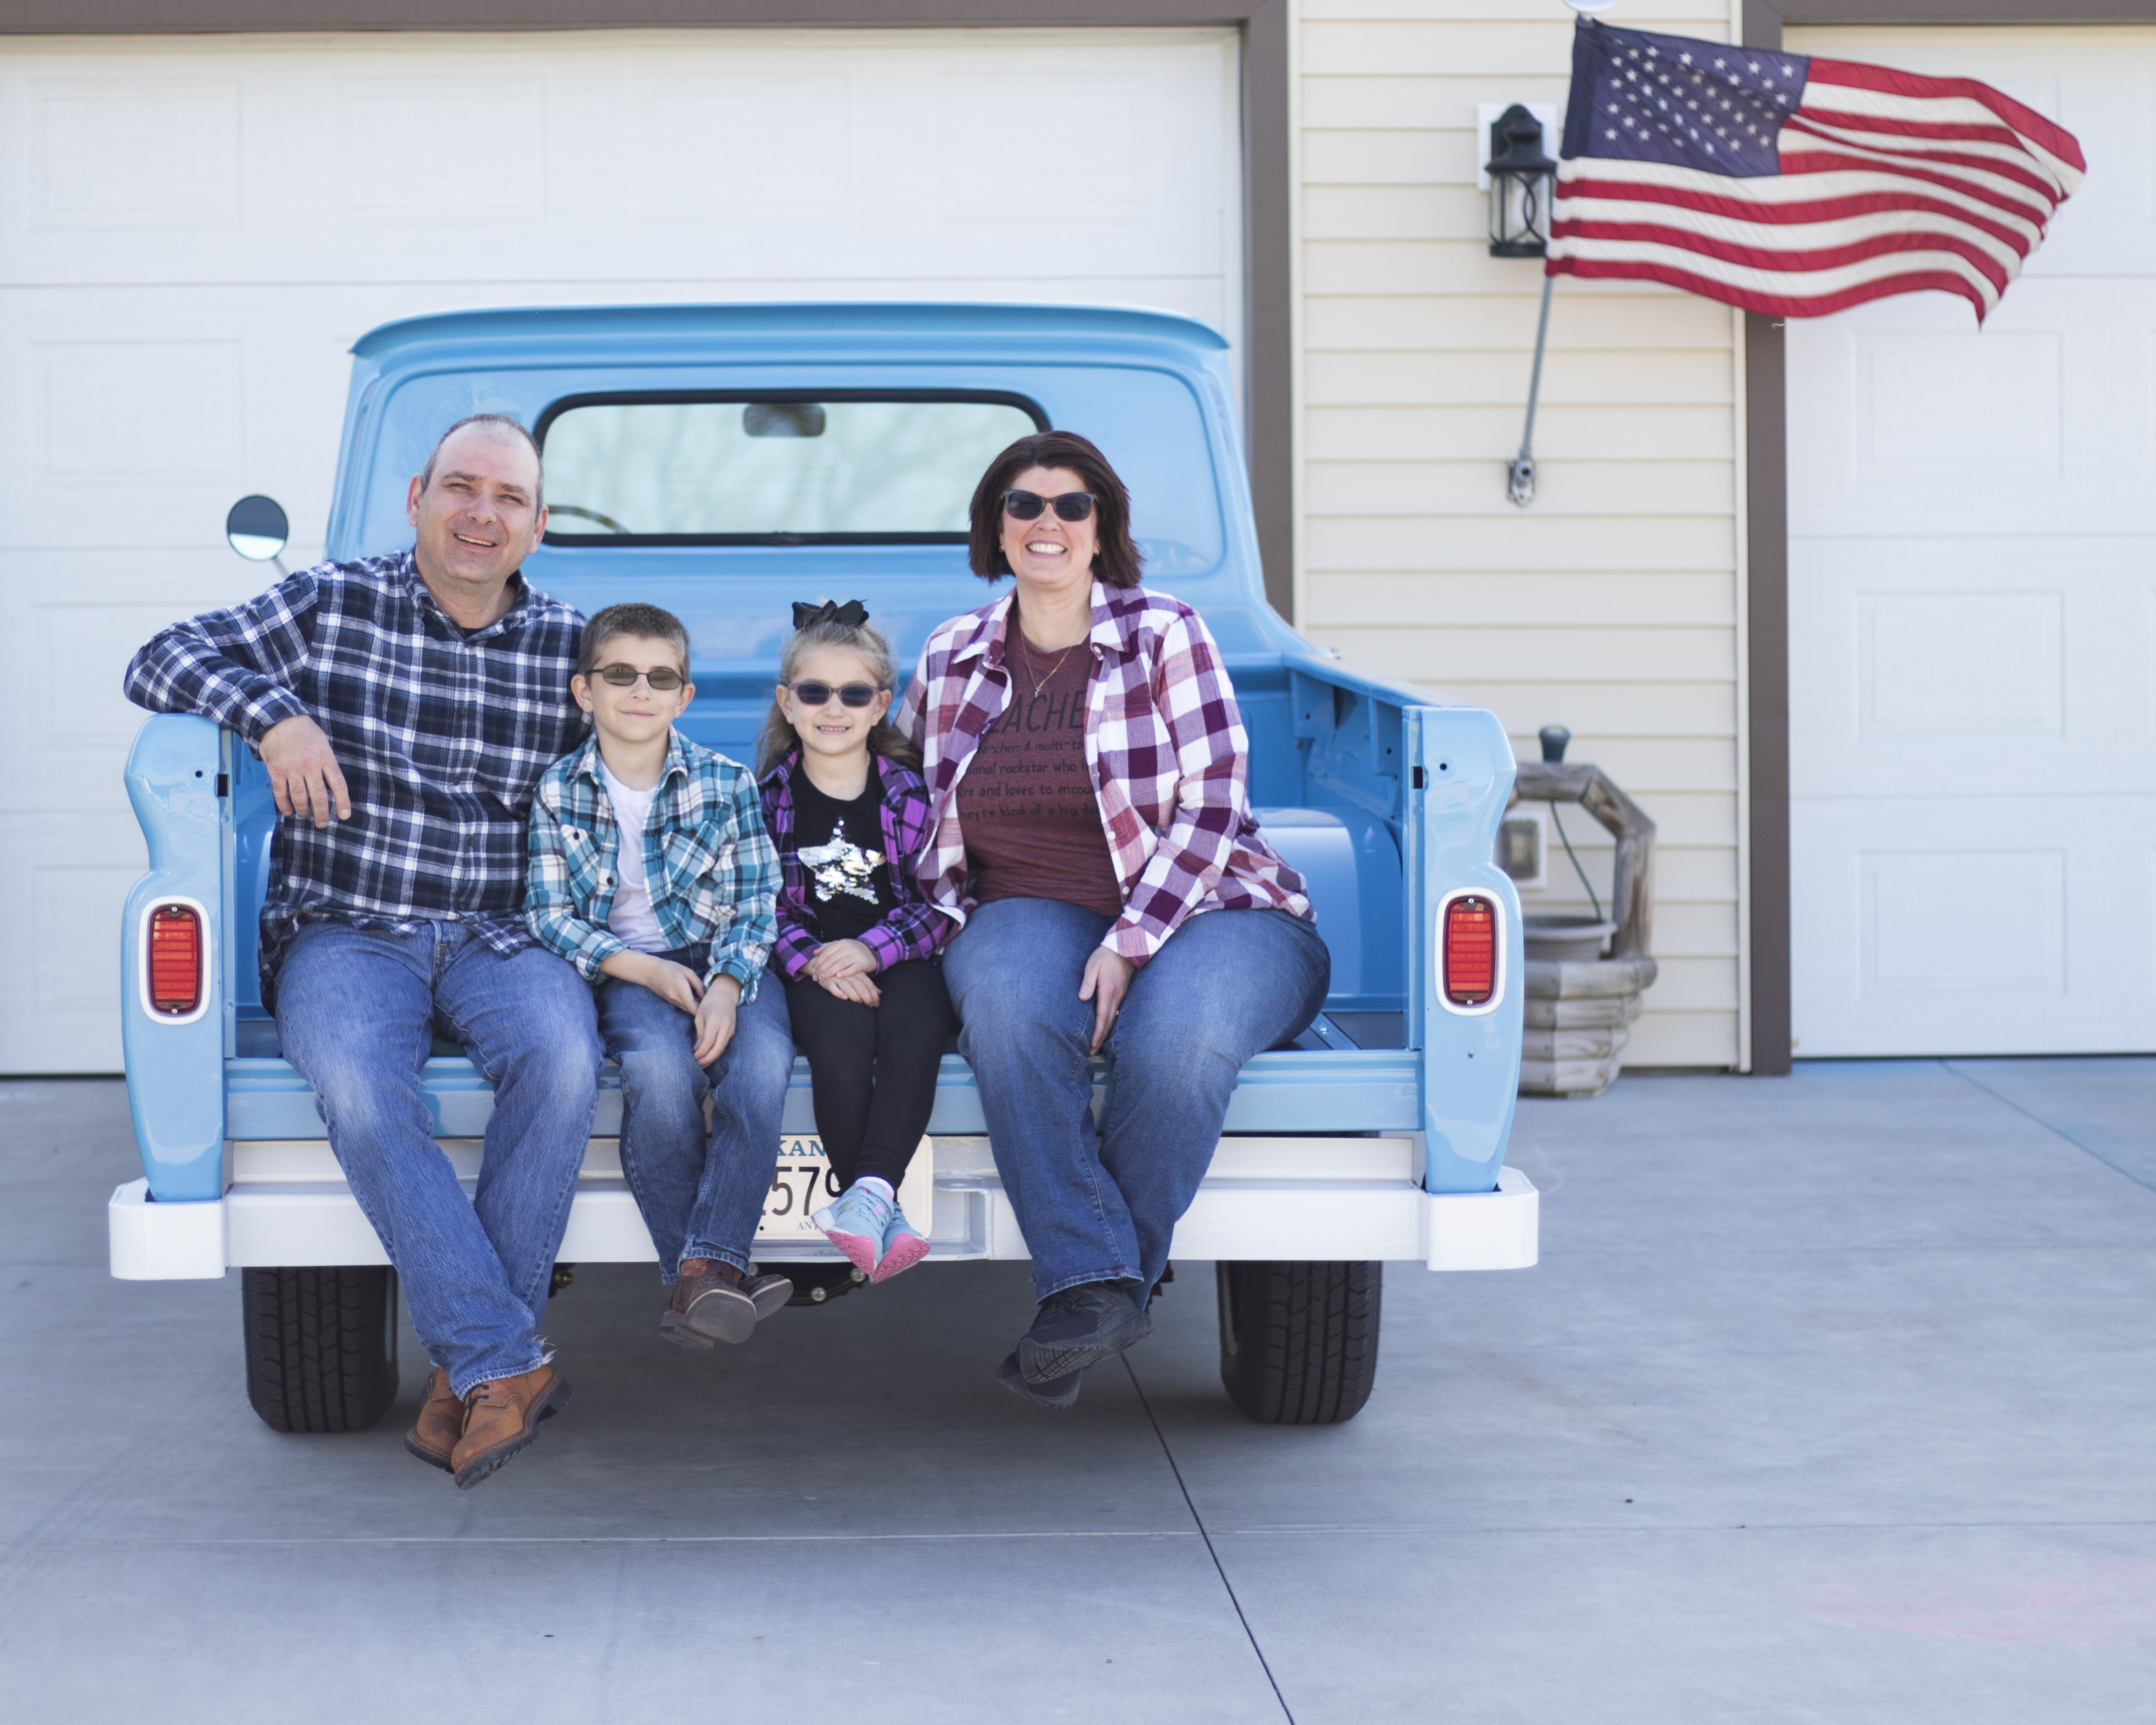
(853, 613)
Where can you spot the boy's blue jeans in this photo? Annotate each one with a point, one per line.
(1100, 1203)
(357, 1010)
(698, 1202)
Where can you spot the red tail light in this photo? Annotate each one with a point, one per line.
(1470, 951)
(175, 958)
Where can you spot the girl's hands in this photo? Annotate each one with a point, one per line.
(855, 985)
(715, 1018)
(838, 958)
(1107, 980)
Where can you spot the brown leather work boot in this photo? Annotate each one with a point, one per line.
(502, 1417)
(441, 1422)
(708, 1306)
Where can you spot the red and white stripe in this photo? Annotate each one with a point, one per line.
(1890, 183)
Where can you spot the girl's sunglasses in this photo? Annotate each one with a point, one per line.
(1027, 505)
(816, 694)
(663, 679)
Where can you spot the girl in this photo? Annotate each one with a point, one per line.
(857, 942)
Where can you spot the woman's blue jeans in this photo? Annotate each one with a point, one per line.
(357, 1010)
(1101, 1205)
(698, 1200)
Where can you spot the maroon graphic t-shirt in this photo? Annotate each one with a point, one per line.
(1033, 828)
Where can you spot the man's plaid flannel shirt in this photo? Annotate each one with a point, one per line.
(708, 863)
(441, 734)
(1165, 746)
(913, 928)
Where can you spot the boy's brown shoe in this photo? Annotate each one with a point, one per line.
(441, 1422)
(502, 1417)
(711, 1304)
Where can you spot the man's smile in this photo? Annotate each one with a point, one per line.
(483, 544)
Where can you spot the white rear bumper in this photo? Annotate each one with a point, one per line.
(1289, 1199)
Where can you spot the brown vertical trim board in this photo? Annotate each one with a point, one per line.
(1268, 288)
(1767, 653)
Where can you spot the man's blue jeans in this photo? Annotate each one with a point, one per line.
(357, 1010)
(698, 1204)
(1102, 1206)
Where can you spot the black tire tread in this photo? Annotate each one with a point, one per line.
(320, 1347)
(1303, 1346)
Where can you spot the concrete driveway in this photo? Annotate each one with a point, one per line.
(1834, 1399)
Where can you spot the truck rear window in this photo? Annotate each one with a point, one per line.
(846, 469)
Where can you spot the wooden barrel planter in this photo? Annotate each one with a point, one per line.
(1581, 997)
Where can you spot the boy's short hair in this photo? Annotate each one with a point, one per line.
(631, 619)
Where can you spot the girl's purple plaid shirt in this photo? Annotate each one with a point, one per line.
(1164, 744)
(913, 929)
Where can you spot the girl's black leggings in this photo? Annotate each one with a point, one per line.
(873, 1068)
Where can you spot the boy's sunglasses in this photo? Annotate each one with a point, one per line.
(816, 694)
(1027, 505)
(663, 679)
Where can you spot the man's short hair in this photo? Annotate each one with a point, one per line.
(631, 619)
(503, 425)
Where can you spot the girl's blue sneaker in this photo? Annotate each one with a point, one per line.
(903, 1247)
(856, 1223)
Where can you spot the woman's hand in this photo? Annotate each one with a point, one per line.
(854, 986)
(1107, 980)
(838, 958)
(715, 1018)
(676, 984)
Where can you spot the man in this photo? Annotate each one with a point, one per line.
(405, 707)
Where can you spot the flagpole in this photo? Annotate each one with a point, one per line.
(1521, 481)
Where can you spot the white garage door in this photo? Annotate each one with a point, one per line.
(1973, 612)
(193, 230)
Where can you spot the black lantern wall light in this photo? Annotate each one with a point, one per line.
(1522, 187)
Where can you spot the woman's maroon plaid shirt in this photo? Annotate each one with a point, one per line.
(1164, 745)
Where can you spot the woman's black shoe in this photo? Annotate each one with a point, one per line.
(1057, 1393)
(1080, 1327)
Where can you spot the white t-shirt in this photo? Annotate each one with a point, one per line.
(631, 919)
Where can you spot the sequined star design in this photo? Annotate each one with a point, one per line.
(842, 868)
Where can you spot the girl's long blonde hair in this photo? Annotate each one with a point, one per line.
(865, 641)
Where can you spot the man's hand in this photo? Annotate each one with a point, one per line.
(676, 984)
(1107, 980)
(715, 1018)
(838, 958)
(304, 774)
(855, 986)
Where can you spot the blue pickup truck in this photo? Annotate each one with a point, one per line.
(721, 460)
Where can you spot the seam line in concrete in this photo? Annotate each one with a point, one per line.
(593, 1539)
(1264, 1665)
(2129, 1160)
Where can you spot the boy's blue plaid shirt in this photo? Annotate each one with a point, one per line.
(708, 863)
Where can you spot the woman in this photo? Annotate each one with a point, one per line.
(1085, 765)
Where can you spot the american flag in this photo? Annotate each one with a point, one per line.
(1793, 184)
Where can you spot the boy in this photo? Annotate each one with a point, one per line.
(651, 873)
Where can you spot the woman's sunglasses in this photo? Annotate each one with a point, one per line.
(1027, 505)
(816, 694)
(663, 678)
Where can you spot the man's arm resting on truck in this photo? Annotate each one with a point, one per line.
(234, 666)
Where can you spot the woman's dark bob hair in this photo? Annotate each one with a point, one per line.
(1116, 563)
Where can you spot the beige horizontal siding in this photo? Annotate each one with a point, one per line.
(1609, 605)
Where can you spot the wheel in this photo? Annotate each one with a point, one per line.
(321, 1345)
(1299, 1342)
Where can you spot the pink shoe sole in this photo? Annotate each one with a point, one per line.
(905, 1251)
(861, 1251)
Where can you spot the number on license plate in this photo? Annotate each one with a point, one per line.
(800, 1184)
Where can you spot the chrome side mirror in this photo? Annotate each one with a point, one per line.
(256, 528)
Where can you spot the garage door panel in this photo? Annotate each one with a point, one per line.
(737, 156)
(1905, 420)
(1964, 664)
(1925, 925)
(193, 232)
(1973, 612)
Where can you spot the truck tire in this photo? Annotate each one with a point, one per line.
(321, 1345)
(1299, 1342)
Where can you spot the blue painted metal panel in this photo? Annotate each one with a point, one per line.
(176, 1090)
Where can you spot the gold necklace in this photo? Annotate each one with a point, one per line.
(1025, 652)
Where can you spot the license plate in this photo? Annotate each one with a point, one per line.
(803, 1182)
